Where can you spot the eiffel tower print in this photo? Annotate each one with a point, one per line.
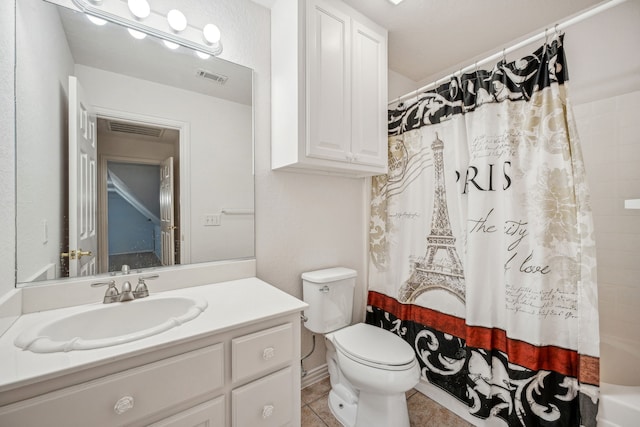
(440, 268)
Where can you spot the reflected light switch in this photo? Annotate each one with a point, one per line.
(211, 220)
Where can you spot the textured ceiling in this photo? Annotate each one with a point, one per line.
(427, 37)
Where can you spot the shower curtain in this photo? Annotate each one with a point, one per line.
(482, 253)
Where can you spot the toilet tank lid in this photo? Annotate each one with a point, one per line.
(329, 275)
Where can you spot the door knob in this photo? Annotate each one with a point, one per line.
(73, 254)
(80, 253)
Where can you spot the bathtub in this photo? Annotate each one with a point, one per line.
(619, 383)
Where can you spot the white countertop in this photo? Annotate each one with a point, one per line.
(231, 304)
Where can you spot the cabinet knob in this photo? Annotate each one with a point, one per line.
(123, 405)
(267, 411)
(268, 353)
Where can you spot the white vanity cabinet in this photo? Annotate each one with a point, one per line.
(238, 365)
(329, 89)
(129, 397)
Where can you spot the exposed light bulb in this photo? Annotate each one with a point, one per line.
(170, 45)
(211, 34)
(177, 20)
(139, 8)
(97, 21)
(136, 34)
(202, 55)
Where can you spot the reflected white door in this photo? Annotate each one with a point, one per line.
(166, 212)
(83, 238)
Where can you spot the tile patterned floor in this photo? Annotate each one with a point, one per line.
(423, 412)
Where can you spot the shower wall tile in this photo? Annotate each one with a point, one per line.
(604, 106)
(609, 130)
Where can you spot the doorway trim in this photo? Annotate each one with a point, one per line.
(184, 199)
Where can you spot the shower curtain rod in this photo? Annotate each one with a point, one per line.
(543, 34)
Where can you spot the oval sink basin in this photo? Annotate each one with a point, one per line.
(111, 324)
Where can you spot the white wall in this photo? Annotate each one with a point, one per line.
(7, 154)
(605, 88)
(610, 133)
(606, 94)
(43, 70)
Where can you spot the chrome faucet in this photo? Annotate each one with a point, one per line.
(112, 294)
(127, 293)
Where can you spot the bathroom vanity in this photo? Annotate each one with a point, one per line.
(236, 364)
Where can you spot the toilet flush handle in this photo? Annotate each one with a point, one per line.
(324, 289)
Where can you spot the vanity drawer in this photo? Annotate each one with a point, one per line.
(210, 413)
(261, 352)
(266, 402)
(124, 398)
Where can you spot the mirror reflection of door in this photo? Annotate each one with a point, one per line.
(132, 156)
(83, 237)
(167, 209)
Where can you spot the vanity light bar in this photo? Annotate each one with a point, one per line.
(120, 13)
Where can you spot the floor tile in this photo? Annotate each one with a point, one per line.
(310, 419)
(315, 391)
(425, 412)
(422, 410)
(321, 407)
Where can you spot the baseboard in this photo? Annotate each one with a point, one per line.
(314, 375)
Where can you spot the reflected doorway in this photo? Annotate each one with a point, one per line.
(133, 214)
(132, 201)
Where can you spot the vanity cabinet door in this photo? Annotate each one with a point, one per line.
(129, 397)
(266, 402)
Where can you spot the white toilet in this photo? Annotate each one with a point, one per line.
(370, 368)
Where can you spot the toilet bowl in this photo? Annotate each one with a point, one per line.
(370, 368)
(379, 367)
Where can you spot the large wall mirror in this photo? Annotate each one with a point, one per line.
(128, 152)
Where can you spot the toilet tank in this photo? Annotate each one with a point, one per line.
(329, 293)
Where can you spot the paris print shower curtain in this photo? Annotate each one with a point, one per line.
(481, 244)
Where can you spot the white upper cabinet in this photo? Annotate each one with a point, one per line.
(329, 89)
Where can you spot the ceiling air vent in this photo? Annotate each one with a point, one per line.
(135, 129)
(218, 78)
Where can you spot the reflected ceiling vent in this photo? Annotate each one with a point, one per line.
(218, 78)
(132, 128)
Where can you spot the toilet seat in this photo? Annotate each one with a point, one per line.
(375, 347)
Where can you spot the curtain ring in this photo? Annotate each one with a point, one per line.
(556, 30)
(504, 55)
